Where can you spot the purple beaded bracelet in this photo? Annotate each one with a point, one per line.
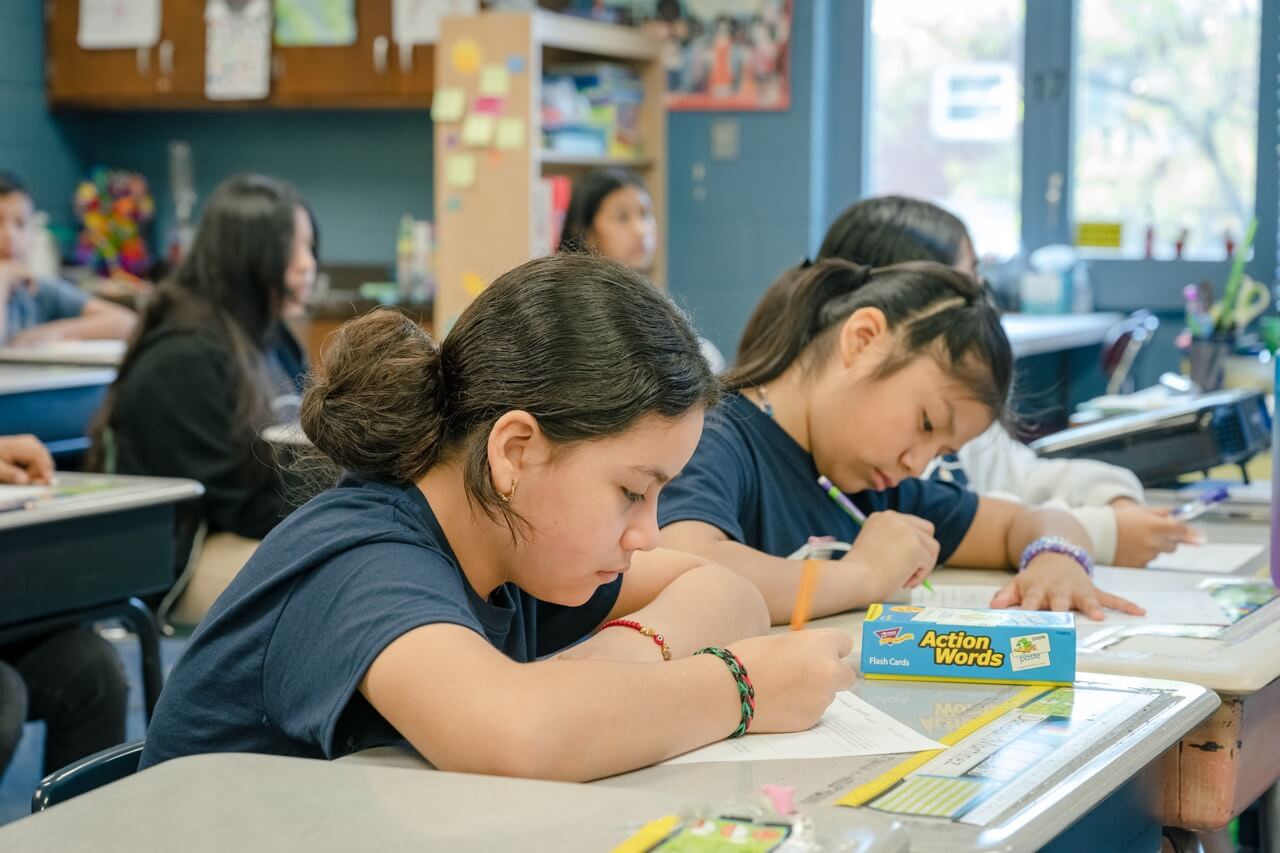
(1056, 545)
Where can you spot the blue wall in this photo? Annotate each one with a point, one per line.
(756, 218)
(360, 171)
(33, 144)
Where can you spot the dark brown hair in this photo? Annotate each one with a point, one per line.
(891, 229)
(583, 344)
(933, 309)
(230, 288)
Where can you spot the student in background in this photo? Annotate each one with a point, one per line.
(71, 679)
(498, 507)
(611, 215)
(42, 311)
(864, 377)
(203, 370)
(1106, 499)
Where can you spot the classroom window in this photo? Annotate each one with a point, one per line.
(1166, 121)
(946, 111)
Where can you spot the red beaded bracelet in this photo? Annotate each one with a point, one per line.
(645, 630)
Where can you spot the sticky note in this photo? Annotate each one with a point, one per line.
(489, 106)
(472, 284)
(467, 56)
(477, 130)
(515, 63)
(510, 133)
(448, 105)
(453, 203)
(460, 171)
(494, 81)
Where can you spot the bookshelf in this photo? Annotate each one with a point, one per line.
(489, 210)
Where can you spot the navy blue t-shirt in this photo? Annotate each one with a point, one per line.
(755, 483)
(276, 664)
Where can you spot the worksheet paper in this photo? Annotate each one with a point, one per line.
(1187, 606)
(849, 727)
(1210, 558)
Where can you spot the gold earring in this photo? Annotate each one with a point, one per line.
(506, 498)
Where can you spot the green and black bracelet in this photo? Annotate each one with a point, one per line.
(746, 691)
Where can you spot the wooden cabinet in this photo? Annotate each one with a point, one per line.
(372, 72)
(168, 73)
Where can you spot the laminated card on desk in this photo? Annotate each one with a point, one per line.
(849, 727)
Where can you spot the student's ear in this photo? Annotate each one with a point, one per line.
(864, 329)
(514, 444)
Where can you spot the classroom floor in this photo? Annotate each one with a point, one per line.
(23, 774)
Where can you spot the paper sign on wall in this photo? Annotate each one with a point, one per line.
(114, 24)
(237, 50)
(315, 23)
(477, 130)
(448, 105)
(510, 133)
(418, 21)
(460, 171)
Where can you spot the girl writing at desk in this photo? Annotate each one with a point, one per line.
(1105, 499)
(499, 505)
(864, 376)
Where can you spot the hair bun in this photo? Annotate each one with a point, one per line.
(375, 404)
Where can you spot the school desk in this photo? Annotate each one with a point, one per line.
(1079, 782)
(87, 554)
(1233, 757)
(85, 353)
(54, 402)
(1037, 334)
(224, 802)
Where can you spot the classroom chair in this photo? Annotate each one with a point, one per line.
(1122, 345)
(88, 773)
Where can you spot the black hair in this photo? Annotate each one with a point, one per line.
(231, 287)
(583, 344)
(11, 183)
(589, 193)
(933, 309)
(891, 229)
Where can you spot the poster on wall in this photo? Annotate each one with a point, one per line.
(720, 54)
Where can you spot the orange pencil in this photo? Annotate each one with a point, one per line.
(804, 594)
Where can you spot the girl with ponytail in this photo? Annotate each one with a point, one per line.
(1106, 499)
(461, 584)
(862, 376)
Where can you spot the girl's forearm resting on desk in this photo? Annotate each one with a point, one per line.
(467, 707)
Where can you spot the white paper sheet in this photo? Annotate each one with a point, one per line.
(237, 51)
(418, 21)
(849, 727)
(1211, 558)
(1186, 606)
(115, 24)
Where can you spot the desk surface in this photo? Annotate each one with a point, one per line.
(1036, 334)
(94, 353)
(256, 802)
(1103, 747)
(96, 494)
(26, 378)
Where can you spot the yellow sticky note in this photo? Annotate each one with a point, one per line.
(467, 56)
(495, 81)
(510, 133)
(448, 105)
(477, 130)
(460, 170)
(472, 284)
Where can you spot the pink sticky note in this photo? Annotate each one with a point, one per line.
(489, 106)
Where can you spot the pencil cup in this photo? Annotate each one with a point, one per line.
(1208, 359)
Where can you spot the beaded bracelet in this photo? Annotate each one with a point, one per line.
(644, 630)
(1056, 545)
(746, 691)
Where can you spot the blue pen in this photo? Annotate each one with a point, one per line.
(856, 514)
(1198, 507)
